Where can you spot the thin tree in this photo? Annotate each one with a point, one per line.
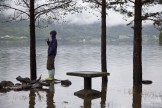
(36, 10)
(137, 49)
(33, 64)
(103, 37)
(102, 6)
(140, 14)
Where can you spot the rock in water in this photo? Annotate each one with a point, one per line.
(146, 82)
(6, 84)
(65, 83)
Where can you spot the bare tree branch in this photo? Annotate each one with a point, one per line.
(26, 3)
(45, 9)
(149, 2)
(131, 1)
(38, 14)
(48, 4)
(51, 7)
(9, 7)
(147, 15)
(97, 1)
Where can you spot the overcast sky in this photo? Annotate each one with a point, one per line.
(113, 18)
(88, 18)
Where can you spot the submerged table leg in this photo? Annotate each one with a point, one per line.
(87, 83)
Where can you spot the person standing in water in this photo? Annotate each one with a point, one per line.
(52, 51)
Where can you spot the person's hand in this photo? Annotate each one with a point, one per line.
(47, 39)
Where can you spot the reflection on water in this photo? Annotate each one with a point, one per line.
(137, 96)
(32, 99)
(87, 99)
(104, 92)
(14, 61)
(49, 96)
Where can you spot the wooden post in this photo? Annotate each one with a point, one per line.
(87, 83)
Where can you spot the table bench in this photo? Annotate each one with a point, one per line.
(88, 75)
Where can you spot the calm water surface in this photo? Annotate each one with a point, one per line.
(14, 61)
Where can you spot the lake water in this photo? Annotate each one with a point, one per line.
(14, 61)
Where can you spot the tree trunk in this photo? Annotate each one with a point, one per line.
(137, 51)
(160, 38)
(103, 41)
(103, 38)
(137, 96)
(33, 72)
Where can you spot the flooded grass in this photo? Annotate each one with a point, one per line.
(14, 61)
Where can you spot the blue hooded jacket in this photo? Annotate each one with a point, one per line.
(52, 45)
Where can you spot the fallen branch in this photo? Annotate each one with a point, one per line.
(27, 80)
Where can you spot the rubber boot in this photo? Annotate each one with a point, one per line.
(50, 73)
(53, 73)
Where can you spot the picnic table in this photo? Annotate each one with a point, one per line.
(88, 75)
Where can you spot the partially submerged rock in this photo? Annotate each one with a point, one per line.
(65, 83)
(146, 82)
(6, 84)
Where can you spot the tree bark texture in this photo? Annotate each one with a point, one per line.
(137, 50)
(33, 71)
(103, 37)
(103, 42)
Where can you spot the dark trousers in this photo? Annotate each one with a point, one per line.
(50, 62)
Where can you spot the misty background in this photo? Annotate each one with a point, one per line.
(82, 27)
(74, 33)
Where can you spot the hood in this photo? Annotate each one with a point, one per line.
(53, 33)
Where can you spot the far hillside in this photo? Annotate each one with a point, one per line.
(77, 33)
